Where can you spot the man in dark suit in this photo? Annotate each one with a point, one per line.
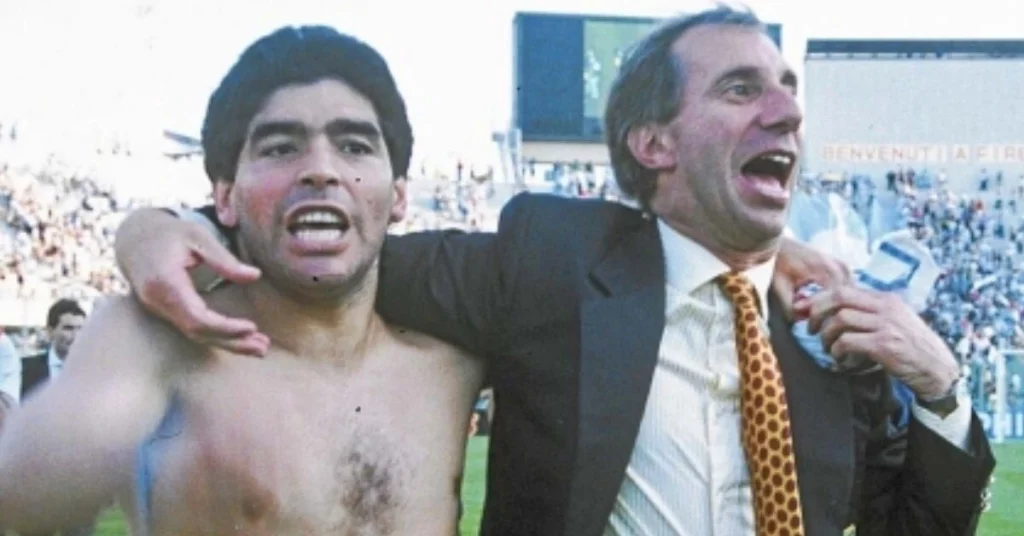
(63, 322)
(614, 355)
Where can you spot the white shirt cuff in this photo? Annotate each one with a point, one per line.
(955, 428)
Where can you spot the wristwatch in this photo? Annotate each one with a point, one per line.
(944, 404)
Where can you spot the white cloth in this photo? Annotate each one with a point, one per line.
(10, 369)
(955, 428)
(689, 436)
(54, 363)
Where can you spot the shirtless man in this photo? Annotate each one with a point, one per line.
(348, 426)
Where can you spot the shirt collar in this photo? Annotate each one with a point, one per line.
(689, 265)
(54, 361)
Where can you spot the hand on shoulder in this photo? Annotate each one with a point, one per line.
(799, 264)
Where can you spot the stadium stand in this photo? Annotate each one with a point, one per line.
(57, 227)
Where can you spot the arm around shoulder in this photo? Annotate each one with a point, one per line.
(453, 285)
(151, 238)
(135, 231)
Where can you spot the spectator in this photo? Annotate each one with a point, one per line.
(10, 377)
(63, 321)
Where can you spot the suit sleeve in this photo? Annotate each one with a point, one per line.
(225, 234)
(915, 482)
(449, 284)
(453, 285)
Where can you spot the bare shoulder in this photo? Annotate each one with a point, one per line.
(127, 314)
(229, 299)
(431, 347)
(121, 333)
(117, 310)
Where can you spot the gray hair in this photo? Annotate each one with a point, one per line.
(649, 90)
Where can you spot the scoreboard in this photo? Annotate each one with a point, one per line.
(564, 68)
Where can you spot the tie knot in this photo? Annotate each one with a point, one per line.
(738, 289)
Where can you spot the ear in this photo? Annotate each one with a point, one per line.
(224, 201)
(653, 146)
(401, 201)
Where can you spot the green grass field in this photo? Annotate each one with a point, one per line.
(1006, 518)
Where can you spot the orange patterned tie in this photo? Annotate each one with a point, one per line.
(766, 436)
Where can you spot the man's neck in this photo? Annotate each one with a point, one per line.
(742, 261)
(337, 331)
(736, 259)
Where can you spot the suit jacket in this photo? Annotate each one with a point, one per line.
(567, 303)
(35, 370)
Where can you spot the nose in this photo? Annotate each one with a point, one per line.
(781, 112)
(320, 167)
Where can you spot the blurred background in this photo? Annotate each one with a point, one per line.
(914, 121)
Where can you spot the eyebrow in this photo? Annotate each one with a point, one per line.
(337, 127)
(748, 72)
(276, 128)
(340, 127)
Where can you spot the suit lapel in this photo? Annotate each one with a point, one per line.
(621, 331)
(35, 371)
(821, 415)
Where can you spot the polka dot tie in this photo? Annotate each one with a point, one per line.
(766, 435)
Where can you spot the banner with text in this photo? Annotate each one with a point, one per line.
(909, 153)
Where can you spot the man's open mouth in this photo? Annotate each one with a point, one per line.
(777, 165)
(318, 224)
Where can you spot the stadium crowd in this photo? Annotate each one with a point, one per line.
(57, 231)
(57, 235)
(977, 304)
(57, 226)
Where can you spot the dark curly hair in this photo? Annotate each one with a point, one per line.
(300, 55)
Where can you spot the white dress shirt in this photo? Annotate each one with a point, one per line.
(54, 363)
(688, 474)
(10, 369)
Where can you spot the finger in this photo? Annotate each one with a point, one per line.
(222, 261)
(856, 343)
(161, 294)
(800, 306)
(802, 301)
(180, 303)
(252, 345)
(838, 274)
(819, 307)
(173, 298)
(846, 321)
(800, 312)
(210, 323)
(829, 301)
